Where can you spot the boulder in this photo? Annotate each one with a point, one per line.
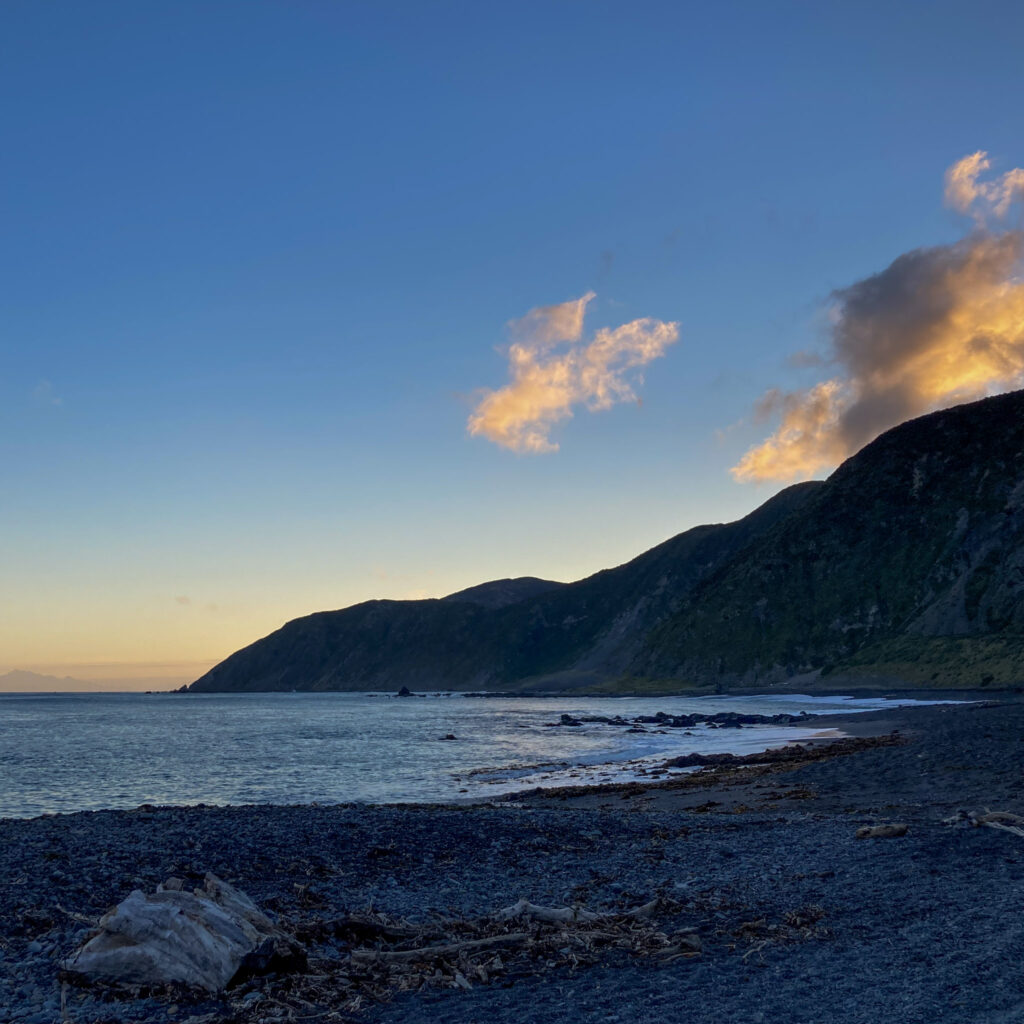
(200, 939)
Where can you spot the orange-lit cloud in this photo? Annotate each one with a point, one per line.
(808, 438)
(552, 370)
(964, 191)
(938, 326)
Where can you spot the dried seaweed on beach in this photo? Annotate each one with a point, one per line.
(375, 956)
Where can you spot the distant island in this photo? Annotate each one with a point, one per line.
(904, 568)
(23, 680)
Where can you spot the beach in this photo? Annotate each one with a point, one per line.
(798, 920)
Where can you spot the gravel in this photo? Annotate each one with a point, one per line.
(921, 928)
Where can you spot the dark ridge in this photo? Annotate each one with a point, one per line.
(905, 566)
(499, 593)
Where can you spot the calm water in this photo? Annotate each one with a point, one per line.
(69, 752)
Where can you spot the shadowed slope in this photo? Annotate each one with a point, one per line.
(917, 539)
(919, 535)
(594, 626)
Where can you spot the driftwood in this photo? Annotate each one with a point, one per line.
(371, 957)
(566, 915)
(443, 950)
(881, 831)
(383, 956)
(1002, 820)
(200, 939)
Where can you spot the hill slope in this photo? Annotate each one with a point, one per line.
(918, 536)
(591, 629)
(908, 563)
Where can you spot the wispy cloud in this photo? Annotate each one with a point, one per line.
(938, 326)
(552, 370)
(982, 199)
(43, 394)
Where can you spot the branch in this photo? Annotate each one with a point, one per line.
(448, 949)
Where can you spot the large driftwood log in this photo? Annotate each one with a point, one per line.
(200, 939)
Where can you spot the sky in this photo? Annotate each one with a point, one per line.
(306, 303)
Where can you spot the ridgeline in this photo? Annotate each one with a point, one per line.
(904, 568)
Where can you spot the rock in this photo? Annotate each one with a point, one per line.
(881, 831)
(405, 692)
(200, 939)
(569, 720)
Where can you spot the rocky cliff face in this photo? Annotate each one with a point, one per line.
(917, 539)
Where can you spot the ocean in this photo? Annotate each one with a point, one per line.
(74, 752)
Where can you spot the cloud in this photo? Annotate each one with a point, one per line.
(963, 190)
(43, 394)
(183, 600)
(938, 326)
(547, 325)
(552, 370)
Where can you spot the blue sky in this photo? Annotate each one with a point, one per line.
(259, 258)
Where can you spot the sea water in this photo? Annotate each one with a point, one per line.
(71, 752)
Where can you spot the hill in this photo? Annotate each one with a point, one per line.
(906, 565)
(584, 632)
(499, 593)
(916, 540)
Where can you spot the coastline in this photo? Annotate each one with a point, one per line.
(304, 748)
(893, 912)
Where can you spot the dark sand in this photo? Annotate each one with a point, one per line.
(924, 928)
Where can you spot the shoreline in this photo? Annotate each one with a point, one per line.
(748, 873)
(425, 771)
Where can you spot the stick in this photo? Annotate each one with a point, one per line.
(1003, 817)
(448, 949)
(1004, 828)
(567, 915)
(1002, 820)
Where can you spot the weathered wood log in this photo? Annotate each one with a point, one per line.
(200, 939)
(1002, 817)
(1002, 820)
(567, 915)
(881, 831)
(446, 949)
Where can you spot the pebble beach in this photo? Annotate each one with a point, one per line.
(798, 920)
